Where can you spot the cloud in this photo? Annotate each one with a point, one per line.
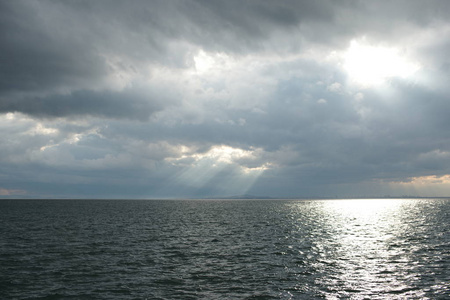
(204, 98)
(9, 192)
(132, 104)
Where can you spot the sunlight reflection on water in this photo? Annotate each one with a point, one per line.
(368, 247)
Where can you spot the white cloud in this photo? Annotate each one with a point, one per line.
(335, 87)
(358, 96)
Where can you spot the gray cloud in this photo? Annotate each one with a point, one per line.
(130, 104)
(213, 98)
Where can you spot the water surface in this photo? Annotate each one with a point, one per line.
(219, 249)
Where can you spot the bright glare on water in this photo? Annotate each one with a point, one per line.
(225, 249)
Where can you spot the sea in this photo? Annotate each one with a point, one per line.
(225, 249)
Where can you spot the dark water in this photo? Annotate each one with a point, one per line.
(219, 249)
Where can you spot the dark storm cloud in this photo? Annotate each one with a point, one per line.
(126, 104)
(109, 98)
(53, 47)
(65, 45)
(39, 52)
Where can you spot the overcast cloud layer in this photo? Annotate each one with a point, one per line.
(150, 99)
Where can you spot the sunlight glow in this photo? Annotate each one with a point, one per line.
(203, 62)
(370, 65)
(216, 155)
(242, 167)
(40, 129)
(224, 154)
(432, 185)
(206, 62)
(428, 180)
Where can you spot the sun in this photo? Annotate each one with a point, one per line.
(372, 65)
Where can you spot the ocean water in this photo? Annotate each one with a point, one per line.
(225, 249)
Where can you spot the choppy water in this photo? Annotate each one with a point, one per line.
(219, 249)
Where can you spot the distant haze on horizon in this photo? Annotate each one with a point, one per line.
(193, 98)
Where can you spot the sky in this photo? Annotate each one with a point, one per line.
(200, 98)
